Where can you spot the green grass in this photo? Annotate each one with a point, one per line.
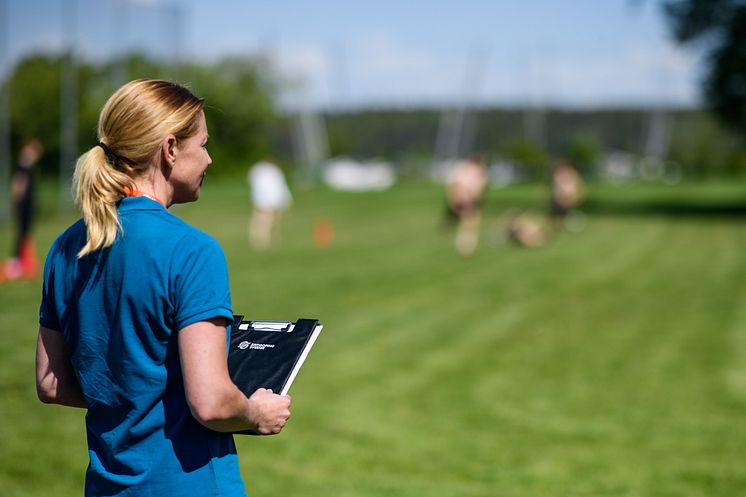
(609, 363)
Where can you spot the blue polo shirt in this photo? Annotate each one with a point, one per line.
(119, 310)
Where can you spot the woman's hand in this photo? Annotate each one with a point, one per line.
(268, 412)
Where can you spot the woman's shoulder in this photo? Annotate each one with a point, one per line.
(72, 238)
(191, 238)
(157, 222)
(163, 232)
(184, 230)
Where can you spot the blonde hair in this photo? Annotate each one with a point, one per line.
(131, 127)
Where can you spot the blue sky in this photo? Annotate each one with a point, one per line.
(352, 53)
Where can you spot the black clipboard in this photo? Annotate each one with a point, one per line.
(269, 354)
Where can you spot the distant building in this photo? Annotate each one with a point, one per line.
(351, 175)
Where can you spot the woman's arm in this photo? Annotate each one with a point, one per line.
(212, 397)
(56, 382)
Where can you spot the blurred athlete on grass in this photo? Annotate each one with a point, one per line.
(23, 263)
(270, 196)
(465, 188)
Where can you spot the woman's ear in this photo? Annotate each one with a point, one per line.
(169, 151)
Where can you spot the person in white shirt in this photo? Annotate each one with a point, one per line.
(270, 196)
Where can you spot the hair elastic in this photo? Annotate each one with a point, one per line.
(112, 158)
(106, 149)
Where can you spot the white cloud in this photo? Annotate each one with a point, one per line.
(144, 3)
(380, 55)
(304, 71)
(640, 74)
(380, 69)
(303, 61)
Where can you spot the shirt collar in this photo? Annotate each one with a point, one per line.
(140, 203)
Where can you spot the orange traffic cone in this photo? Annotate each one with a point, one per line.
(323, 233)
(29, 260)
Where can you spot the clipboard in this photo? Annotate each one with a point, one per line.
(269, 354)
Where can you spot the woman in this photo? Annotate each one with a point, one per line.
(135, 305)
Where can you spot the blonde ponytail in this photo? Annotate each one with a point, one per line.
(131, 128)
(98, 187)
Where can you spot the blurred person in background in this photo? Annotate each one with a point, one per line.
(465, 188)
(533, 230)
(528, 230)
(566, 196)
(135, 305)
(23, 263)
(270, 196)
(522, 227)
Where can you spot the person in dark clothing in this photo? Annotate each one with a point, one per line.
(23, 262)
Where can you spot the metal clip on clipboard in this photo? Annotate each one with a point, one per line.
(285, 326)
(281, 326)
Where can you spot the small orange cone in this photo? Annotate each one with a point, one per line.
(323, 233)
(29, 260)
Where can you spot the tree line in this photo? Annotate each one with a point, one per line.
(692, 138)
(239, 92)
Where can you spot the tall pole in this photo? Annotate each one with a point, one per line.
(312, 141)
(120, 34)
(173, 17)
(457, 125)
(177, 26)
(68, 107)
(183, 50)
(4, 115)
(534, 119)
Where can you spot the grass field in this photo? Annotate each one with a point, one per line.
(611, 362)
